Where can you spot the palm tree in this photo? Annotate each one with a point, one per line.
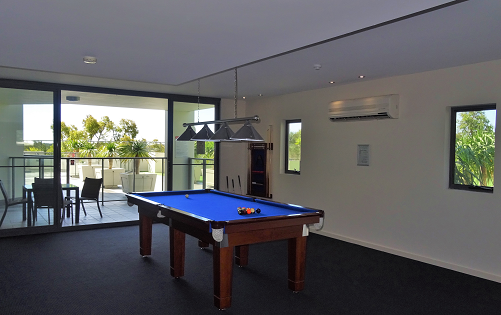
(134, 149)
(109, 150)
(75, 145)
(88, 150)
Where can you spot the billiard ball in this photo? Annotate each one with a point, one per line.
(186, 195)
(249, 211)
(258, 210)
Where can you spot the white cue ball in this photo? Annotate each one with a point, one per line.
(186, 195)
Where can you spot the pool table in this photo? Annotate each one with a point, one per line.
(212, 217)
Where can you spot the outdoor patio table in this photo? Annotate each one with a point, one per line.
(28, 193)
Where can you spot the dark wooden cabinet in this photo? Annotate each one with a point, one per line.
(259, 169)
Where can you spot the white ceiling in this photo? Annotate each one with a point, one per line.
(274, 44)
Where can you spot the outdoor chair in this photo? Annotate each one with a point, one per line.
(46, 197)
(90, 192)
(10, 201)
(44, 180)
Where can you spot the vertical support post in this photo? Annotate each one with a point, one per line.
(13, 180)
(67, 170)
(204, 174)
(133, 174)
(102, 178)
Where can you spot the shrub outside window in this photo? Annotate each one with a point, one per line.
(472, 147)
(293, 146)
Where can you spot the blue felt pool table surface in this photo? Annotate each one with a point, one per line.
(220, 206)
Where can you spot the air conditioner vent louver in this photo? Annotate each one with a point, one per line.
(378, 107)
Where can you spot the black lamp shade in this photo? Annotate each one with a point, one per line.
(204, 134)
(247, 133)
(223, 134)
(187, 134)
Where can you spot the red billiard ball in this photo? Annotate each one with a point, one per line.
(248, 211)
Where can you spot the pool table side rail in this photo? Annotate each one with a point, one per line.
(270, 222)
(151, 208)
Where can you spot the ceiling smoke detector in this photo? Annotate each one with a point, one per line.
(90, 60)
(317, 66)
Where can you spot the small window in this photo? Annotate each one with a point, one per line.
(472, 147)
(293, 146)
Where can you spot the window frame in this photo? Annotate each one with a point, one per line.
(286, 166)
(452, 146)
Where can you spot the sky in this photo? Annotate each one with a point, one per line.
(37, 119)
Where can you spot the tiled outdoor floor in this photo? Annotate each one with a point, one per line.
(113, 211)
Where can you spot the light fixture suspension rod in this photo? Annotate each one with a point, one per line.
(229, 121)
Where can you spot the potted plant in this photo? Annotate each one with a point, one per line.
(109, 150)
(136, 182)
(134, 149)
(110, 176)
(88, 150)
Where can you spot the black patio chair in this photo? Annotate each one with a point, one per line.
(90, 192)
(10, 201)
(46, 197)
(44, 180)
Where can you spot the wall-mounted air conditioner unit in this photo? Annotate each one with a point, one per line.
(377, 107)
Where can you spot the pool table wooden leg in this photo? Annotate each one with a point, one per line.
(223, 272)
(297, 263)
(177, 250)
(242, 255)
(144, 235)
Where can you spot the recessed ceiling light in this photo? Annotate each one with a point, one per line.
(260, 94)
(243, 97)
(331, 82)
(90, 60)
(361, 76)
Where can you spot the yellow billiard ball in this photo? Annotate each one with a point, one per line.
(186, 195)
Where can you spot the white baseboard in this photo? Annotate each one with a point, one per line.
(431, 261)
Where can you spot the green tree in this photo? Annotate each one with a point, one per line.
(156, 146)
(473, 122)
(295, 145)
(91, 127)
(128, 127)
(475, 146)
(209, 150)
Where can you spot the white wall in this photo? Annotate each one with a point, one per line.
(401, 202)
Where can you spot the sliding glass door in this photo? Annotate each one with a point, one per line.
(66, 134)
(193, 162)
(119, 139)
(26, 153)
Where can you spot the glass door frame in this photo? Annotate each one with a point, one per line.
(170, 136)
(57, 88)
